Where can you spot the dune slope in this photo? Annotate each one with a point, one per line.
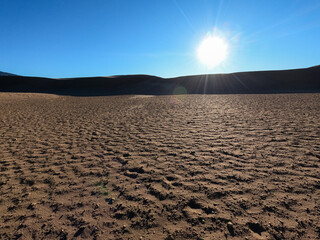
(285, 81)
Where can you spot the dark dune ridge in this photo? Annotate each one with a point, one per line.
(306, 80)
(6, 74)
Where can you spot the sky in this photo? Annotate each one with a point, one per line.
(73, 38)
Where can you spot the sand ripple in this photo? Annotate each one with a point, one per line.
(171, 167)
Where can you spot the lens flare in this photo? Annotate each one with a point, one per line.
(179, 94)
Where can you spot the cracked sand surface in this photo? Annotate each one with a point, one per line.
(166, 167)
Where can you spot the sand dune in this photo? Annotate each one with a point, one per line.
(6, 74)
(286, 81)
(159, 167)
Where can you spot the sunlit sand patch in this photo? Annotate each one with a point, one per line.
(21, 96)
(142, 96)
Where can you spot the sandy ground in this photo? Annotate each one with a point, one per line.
(165, 167)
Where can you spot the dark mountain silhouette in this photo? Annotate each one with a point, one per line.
(306, 80)
(6, 74)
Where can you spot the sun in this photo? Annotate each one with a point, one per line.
(212, 51)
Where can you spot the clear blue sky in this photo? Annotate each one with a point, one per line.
(69, 38)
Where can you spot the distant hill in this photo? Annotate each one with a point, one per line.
(6, 74)
(305, 80)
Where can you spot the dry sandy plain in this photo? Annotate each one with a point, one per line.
(160, 167)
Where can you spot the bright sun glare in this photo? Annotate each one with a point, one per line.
(212, 51)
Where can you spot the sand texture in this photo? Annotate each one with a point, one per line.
(160, 167)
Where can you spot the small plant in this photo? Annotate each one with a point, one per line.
(101, 187)
(105, 193)
(99, 184)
